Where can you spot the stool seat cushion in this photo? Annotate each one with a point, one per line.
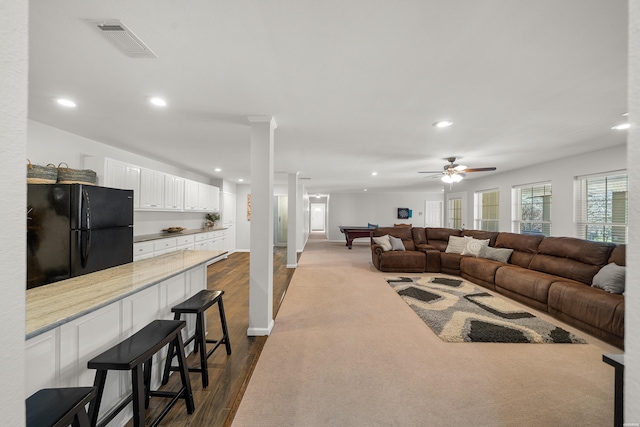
(199, 302)
(139, 347)
(57, 406)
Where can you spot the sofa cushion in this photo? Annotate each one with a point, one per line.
(482, 235)
(396, 244)
(403, 233)
(572, 258)
(474, 246)
(384, 242)
(528, 283)
(610, 278)
(450, 263)
(590, 305)
(480, 269)
(439, 237)
(402, 261)
(456, 244)
(524, 246)
(419, 235)
(619, 255)
(497, 254)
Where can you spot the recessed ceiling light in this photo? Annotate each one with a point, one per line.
(241, 180)
(443, 123)
(158, 102)
(625, 114)
(365, 189)
(65, 102)
(374, 173)
(218, 170)
(622, 126)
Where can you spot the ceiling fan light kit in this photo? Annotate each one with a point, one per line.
(453, 173)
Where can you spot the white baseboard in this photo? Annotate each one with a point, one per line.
(292, 265)
(260, 332)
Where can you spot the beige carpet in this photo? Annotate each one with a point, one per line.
(346, 350)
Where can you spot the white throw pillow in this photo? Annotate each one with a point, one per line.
(497, 254)
(474, 246)
(384, 242)
(611, 278)
(396, 243)
(457, 244)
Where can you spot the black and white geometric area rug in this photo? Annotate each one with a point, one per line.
(458, 311)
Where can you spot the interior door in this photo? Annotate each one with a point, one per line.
(433, 214)
(317, 216)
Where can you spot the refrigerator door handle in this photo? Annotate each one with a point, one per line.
(86, 248)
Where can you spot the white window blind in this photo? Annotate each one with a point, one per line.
(455, 213)
(487, 207)
(602, 207)
(531, 211)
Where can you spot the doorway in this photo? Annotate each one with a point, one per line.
(282, 220)
(318, 212)
(433, 214)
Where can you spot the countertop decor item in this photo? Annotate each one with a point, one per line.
(211, 219)
(174, 229)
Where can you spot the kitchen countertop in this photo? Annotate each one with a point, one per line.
(52, 305)
(165, 235)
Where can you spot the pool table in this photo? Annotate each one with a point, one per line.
(351, 233)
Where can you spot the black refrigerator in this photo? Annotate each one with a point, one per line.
(75, 229)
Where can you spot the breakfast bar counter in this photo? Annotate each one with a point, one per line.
(52, 305)
(71, 321)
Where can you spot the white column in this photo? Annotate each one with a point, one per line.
(292, 222)
(261, 239)
(14, 57)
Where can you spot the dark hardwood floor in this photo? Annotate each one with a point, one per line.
(228, 375)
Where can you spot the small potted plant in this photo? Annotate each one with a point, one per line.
(211, 219)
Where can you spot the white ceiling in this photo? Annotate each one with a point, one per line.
(354, 85)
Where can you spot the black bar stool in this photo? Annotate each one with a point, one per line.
(59, 407)
(135, 354)
(197, 305)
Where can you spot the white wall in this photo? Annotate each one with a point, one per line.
(14, 20)
(243, 226)
(632, 295)
(560, 173)
(362, 208)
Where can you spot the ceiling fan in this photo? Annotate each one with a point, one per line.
(454, 173)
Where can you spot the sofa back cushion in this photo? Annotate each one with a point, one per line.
(439, 237)
(524, 246)
(482, 235)
(403, 233)
(619, 255)
(419, 235)
(575, 259)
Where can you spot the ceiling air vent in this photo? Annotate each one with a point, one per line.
(123, 39)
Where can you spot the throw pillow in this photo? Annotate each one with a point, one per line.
(396, 244)
(474, 246)
(457, 244)
(496, 254)
(384, 242)
(611, 278)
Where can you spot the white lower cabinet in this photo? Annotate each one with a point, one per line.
(58, 358)
(206, 241)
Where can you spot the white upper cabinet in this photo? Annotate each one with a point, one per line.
(123, 175)
(151, 189)
(190, 195)
(173, 193)
(154, 190)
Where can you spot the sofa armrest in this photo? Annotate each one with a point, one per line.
(423, 247)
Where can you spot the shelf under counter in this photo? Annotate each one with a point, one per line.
(55, 304)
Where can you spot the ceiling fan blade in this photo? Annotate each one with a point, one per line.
(431, 172)
(479, 169)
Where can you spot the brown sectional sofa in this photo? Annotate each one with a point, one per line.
(551, 274)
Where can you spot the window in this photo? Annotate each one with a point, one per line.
(487, 206)
(455, 213)
(532, 209)
(601, 207)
